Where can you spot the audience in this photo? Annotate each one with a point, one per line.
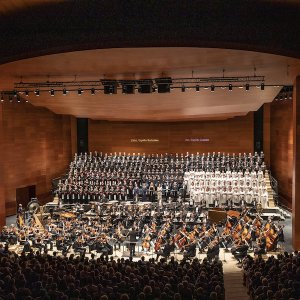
(36, 276)
(274, 278)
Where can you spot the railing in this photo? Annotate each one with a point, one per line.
(274, 186)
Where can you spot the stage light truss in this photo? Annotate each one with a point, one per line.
(161, 85)
(286, 93)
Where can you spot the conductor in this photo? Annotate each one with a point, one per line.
(132, 239)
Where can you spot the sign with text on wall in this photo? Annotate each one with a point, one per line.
(197, 140)
(144, 140)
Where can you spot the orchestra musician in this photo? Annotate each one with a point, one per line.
(190, 249)
(166, 251)
(213, 249)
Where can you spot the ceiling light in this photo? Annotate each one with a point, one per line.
(93, 91)
(230, 87)
(52, 92)
(212, 88)
(183, 88)
(197, 88)
(37, 92)
(163, 84)
(2, 98)
(128, 87)
(79, 91)
(65, 92)
(15, 93)
(26, 93)
(18, 100)
(262, 86)
(247, 86)
(10, 99)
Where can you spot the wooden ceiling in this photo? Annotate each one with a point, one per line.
(141, 63)
(89, 40)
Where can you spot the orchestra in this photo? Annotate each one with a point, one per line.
(134, 208)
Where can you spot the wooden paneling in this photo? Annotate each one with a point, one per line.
(2, 158)
(37, 148)
(267, 132)
(296, 165)
(281, 148)
(141, 63)
(233, 135)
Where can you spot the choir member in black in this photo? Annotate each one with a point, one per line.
(132, 239)
(166, 251)
(151, 192)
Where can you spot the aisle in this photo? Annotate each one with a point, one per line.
(233, 280)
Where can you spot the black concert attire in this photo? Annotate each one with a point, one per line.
(213, 252)
(168, 248)
(261, 246)
(191, 251)
(132, 239)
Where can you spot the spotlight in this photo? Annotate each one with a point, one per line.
(262, 86)
(18, 100)
(197, 88)
(183, 88)
(10, 98)
(212, 88)
(230, 87)
(93, 91)
(128, 87)
(286, 96)
(26, 93)
(281, 97)
(65, 92)
(145, 86)
(247, 86)
(2, 98)
(37, 92)
(52, 92)
(26, 101)
(291, 96)
(110, 86)
(163, 84)
(79, 92)
(15, 93)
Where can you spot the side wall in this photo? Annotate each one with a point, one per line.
(232, 135)
(37, 147)
(281, 149)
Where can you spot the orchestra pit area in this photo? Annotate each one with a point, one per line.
(136, 226)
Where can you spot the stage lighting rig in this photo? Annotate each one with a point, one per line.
(163, 84)
(128, 86)
(145, 86)
(110, 86)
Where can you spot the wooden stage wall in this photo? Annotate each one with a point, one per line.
(281, 149)
(232, 135)
(36, 147)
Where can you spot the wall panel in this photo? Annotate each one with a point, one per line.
(37, 148)
(281, 145)
(232, 135)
